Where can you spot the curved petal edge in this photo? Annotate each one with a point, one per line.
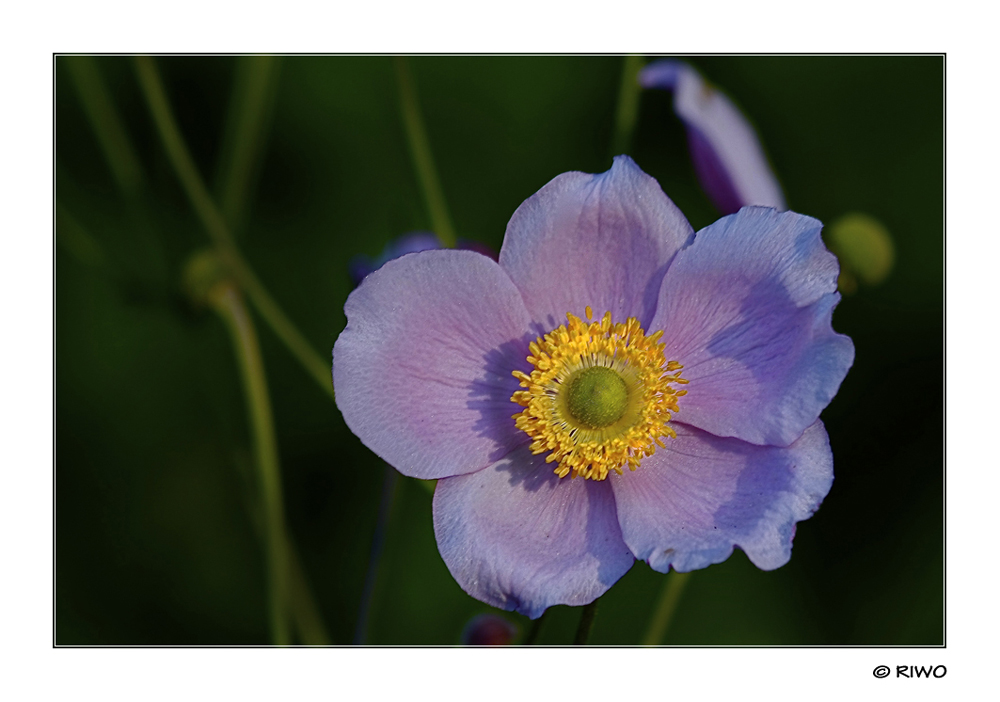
(747, 310)
(568, 245)
(422, 372)
(519, 538)
(689, 505)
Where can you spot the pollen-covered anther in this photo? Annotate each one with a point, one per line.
(600, 396)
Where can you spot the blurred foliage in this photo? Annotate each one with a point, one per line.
(157, 536)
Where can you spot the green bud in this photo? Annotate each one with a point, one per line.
(202, 272)
(864, 248)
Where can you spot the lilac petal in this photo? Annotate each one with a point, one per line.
(601, 240)
(422, 372)
(517, 537)
(746, 310)
(687, 505)
(726, 152)
(712, 174)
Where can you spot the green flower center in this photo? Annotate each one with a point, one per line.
(596, 397)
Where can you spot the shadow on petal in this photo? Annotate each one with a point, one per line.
(516, 536)
(689, 505)
(489, 395)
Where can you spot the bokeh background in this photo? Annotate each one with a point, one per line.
(158, 537)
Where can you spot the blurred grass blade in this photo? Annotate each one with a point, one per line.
(305, 612)
(75, 239)
(665, 608)
(214, 223)
(390, 480)
(628, 105)
(536, 629)
(250, 110)
(227, 303)
(103, 117)
(124, 164)
(420, 149)
(586, 625)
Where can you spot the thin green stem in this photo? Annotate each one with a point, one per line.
(390, 480)
(305, 611)
(127, 171)
(628, 105)
(76, 240)
(421, 152)
(665, 608)
(536, 629)
(218, 230)
(250, 110)
(586, 623)
(106, 123)
(226, 300)
(122, 160)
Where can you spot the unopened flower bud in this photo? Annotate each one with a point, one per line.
(489, 630)
(413, 242)
(865, 250)
(203, 272)
(726, 152)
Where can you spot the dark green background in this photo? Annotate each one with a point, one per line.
(155, 538)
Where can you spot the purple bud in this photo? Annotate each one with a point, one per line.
(726, 152)
(362, 265)
(488, 630)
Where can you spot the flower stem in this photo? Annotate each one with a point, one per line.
(665, 608)
(304, 610)
(586, 623)
(389, 481)
(121, 158)
(76, 240)
(250, 110)
(628, 105)
(215, 225)
(104, 120)
(421, 151)
(226, 301)
(536, 628)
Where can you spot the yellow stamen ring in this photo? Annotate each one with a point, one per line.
(600, 396)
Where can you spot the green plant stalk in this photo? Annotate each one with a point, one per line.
(536, 629)
(586, 623)
(628, 106)
(226, 301)
(665, 608)
(127, 171)
(76, 240)
(119, 154)
(250, 109)
(104, 119)
(421, 151)
(218, 230)
(389, 488)
(305, 613)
